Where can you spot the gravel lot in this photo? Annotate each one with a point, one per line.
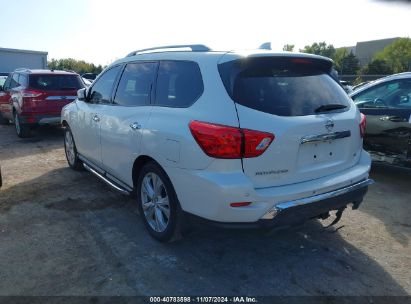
(66, 233)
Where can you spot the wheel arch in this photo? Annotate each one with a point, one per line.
(139, 162)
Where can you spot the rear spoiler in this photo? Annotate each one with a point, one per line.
(229, 68)
(323, 64)
(231, 64)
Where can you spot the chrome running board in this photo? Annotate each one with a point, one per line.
(106, 180)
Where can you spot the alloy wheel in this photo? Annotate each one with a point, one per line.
(155, 202)
(69, 144)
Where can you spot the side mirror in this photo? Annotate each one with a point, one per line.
(82, 94)
(1, 88)
(404, 99)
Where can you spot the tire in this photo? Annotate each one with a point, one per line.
(71, 151)
(3, 121)
(23, 131)
(163, 218)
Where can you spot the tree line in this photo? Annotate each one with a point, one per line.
(78, 66)
(395, 58)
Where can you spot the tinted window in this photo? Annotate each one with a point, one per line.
(102, 88)
(7, 83)
(135, 85)
(55, 82)
(23, 80)
(281, 86)
(91, 76)
(395, 94)
(179, 83)
(14, 81)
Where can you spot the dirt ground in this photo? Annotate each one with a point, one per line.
(66, 233)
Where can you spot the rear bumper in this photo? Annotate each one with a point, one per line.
(294, 213)
(43, 119)
(208, 194)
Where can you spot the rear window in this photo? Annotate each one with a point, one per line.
(282, 86)
(55, 82)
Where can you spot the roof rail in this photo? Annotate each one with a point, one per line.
(193, 47)
(22, 70)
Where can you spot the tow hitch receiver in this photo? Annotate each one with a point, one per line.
(338, 216)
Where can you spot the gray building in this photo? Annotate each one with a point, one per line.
(11, 59)
(366, 50)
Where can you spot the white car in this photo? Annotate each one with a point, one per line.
(86, 81)
(235, 138)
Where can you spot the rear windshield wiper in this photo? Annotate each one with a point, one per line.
(329, 107)
(68, 88)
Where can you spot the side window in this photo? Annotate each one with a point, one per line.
(135, 85)
(179, 84)
(23, 80)
(14, 81)
(102, 88)
(7, 83)
(401, 97)
(378, 96)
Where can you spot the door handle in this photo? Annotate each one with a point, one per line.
(96, 118)
(397, 119)
(135, 126)
(392, 118)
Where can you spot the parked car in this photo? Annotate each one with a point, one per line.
(387, 104)
(346, 86)
(357, 86)
(87, 82)
(89, 76)
(2, 79)
(257, 139)
(35, 97)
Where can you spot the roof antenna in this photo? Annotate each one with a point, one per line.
(265, 46)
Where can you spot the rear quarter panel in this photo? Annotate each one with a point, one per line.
(167, 137)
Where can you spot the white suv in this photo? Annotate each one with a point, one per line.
(241, 138)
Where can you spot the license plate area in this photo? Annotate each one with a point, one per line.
(322, 154)
(318, 152)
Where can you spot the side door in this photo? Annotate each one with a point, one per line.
(5, 99)
(18, 84)
(123, 124)
(89, 113)
(388, 111)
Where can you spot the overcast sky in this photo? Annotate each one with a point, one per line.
(101, 31)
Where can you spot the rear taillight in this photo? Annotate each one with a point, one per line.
(221, 141)
(217, 140)
(256, 142)
(31, 93)
(363, 124)
(301, 61)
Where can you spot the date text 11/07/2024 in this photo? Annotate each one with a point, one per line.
(239, 299)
